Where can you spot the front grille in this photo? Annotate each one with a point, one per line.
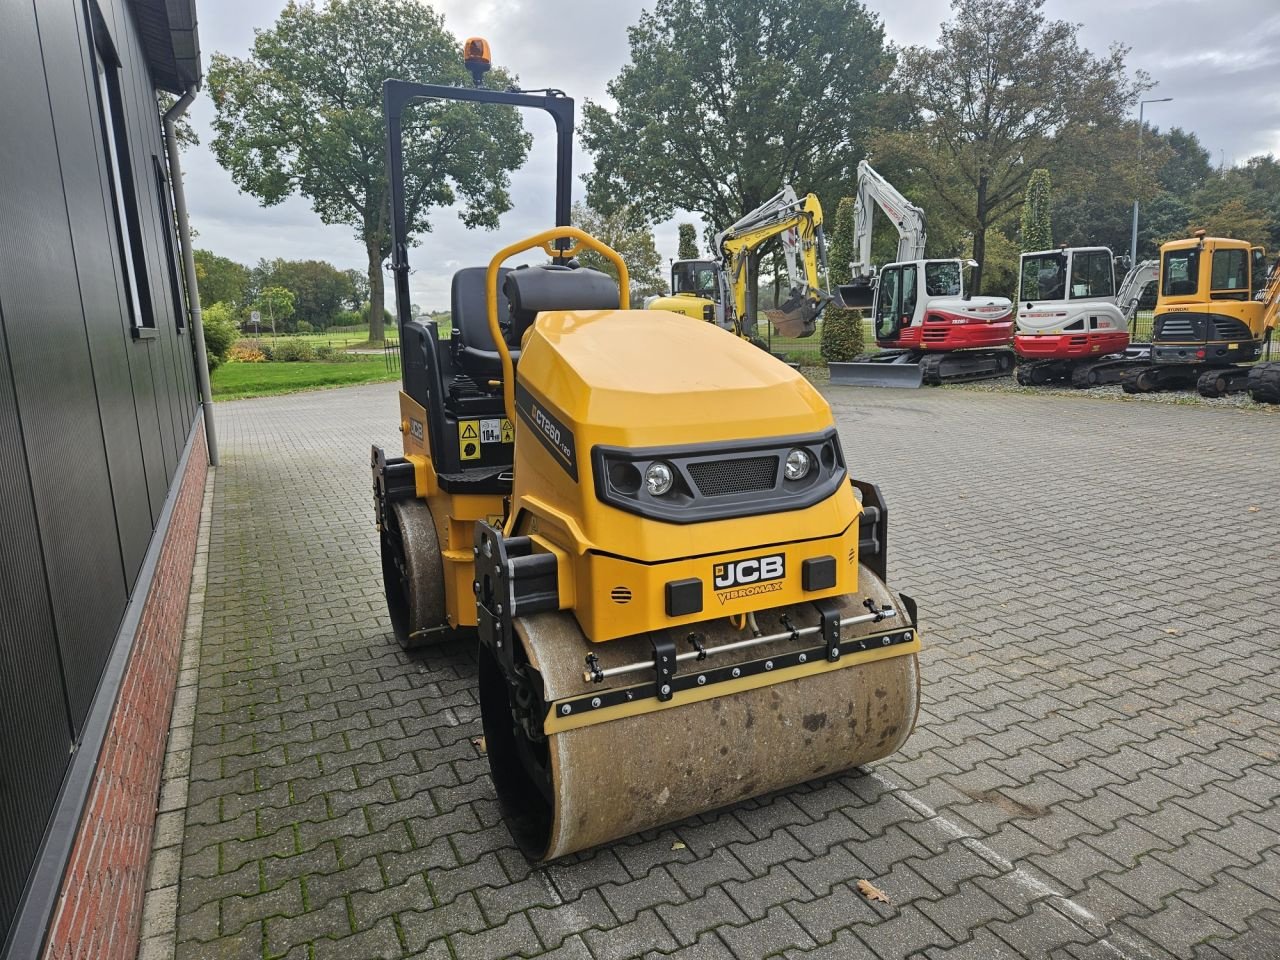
(936, 335)
(742, 475)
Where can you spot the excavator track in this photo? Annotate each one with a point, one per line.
(960, 366)
(1221, 381)
(1037, 373)
(1152, 378)
(1264, 382)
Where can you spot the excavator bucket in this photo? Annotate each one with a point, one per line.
(797, 317)
(859, 295)
(894, 371)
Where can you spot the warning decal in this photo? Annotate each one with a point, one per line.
(469, 440)
(508, 432)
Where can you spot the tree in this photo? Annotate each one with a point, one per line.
(303, 114)
(359, 281)
(840, 254)
(1037, 227)
(1005, 92)
(1188, 167)
(722, 103)
(626, 233)
(221, 280)
(319, 288)
(276, 306)
(688, 249)
(1235, 218)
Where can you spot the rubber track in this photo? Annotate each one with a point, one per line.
(1264, 382)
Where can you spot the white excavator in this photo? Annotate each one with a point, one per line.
(1074, 324)
(725, 291)
(927, 329)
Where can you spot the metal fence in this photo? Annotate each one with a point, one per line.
(391, 355)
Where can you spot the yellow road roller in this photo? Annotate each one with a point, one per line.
(677, 588)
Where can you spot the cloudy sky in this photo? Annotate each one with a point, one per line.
(1214, 57)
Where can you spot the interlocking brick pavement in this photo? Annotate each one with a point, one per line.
(1094, 774)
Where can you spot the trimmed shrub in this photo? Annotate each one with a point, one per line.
(324, 352)
(294, 351)
(841, 334)
(305, 327)
(219, 333)
(348, 318)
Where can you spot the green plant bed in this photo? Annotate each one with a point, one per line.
(237, 381)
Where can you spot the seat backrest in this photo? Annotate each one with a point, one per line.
(530, 290)
(479, 355)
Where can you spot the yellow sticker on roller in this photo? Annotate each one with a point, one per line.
(508, 432)
(469, 440)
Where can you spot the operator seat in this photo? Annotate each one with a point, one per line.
(478, 355)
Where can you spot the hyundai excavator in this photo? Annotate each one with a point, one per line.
(726, 291)
(927, 329)
(1216, 310)
(677, 583)
(1072, 324)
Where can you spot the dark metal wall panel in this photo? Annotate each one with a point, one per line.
(36, 742)
(72, 93)
(52, 375)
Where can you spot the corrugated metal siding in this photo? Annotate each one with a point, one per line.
(92, 422)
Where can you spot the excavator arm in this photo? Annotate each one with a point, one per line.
(875, 191)
(799, 224)
(1131, 287)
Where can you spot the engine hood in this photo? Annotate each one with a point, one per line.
(646, 377)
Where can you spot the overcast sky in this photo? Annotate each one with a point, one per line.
(1216, 58)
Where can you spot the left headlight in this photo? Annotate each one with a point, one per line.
(658, 478)
(797, 464)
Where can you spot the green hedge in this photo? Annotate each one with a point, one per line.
(841, 334)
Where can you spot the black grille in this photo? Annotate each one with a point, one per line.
(717, 477)
(1229, 328)
(1178, 327)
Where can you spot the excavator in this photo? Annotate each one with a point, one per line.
(649, 531)
(726, 291)
(928, 330)
(1073, 325)
(1216, 310)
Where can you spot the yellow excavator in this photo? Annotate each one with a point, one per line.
(678, 588)
(726, 291)
(1216, 310)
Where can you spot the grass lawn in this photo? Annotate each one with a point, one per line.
(236, 381)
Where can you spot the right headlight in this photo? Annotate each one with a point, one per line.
(797, 464)
(658, 478)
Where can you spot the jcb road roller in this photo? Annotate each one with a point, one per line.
(678, 590)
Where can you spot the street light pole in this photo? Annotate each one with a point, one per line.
(1133, 240)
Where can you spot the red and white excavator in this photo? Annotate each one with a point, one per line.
(927, 329)
(1073, 323)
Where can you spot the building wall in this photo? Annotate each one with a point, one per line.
(93, 419)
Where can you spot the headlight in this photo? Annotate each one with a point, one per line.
(658, 478)
(797, 465)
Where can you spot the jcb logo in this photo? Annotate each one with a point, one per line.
(752, 570)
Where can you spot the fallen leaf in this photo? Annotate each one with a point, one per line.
(1254, 509)
(1172, 632)
(479, 744)
(871, 891)
(678, 845)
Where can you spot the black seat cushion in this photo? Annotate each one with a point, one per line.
(530, 290)
(479, 355)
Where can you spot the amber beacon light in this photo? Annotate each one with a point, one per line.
(475, 54)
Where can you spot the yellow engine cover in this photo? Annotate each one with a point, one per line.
(652, 379)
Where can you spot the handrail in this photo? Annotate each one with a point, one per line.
(545, 240)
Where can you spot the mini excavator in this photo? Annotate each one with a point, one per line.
(928, 330)
(1216, 310)
(725, 291)
(678, 589)
(1073, 324)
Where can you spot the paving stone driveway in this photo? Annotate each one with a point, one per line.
(1094, 774)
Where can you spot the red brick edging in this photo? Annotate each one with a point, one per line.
(99, 908)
